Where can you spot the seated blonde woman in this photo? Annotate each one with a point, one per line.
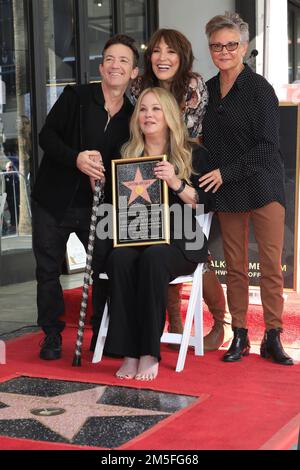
(139, 276)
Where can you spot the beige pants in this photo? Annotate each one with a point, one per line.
(213, 296)
(268, 223)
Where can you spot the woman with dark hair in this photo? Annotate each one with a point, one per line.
(168, 63)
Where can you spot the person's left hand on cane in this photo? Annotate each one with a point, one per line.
(213, 179)
(97, 159)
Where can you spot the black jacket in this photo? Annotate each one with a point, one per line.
(191, 232)
(241, 133)
(76, 123)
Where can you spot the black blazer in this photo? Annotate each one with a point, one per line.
(241, 133)
(191, 231)
(76, 123)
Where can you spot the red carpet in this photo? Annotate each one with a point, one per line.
(253, 404)
(249, 405)
(290, 337)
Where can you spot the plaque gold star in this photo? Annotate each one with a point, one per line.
(139, 187)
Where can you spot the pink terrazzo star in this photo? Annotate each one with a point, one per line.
(78, 406)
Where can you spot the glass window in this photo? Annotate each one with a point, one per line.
(291, 45)
(100, 29)
(15, 126)
(294, 42)
(130, 18)
(134, 23)
(298, 45)
(135, 20)
(59, 47)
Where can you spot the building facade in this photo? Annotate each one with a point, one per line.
(46, 44)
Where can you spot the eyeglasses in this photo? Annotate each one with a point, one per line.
(230, 46)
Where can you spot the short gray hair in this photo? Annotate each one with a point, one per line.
(230, 21)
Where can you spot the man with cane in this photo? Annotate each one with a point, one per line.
(94, 116)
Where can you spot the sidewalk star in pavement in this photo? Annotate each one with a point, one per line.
(65, 414)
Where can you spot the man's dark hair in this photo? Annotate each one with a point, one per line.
(126, 41)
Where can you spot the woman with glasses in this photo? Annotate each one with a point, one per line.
(241, 133)
(168, 63)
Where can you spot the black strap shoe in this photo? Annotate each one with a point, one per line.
(271, 347)
(51, 347)
(239, 347)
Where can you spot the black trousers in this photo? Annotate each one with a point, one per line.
(139, 279)
(49, 246)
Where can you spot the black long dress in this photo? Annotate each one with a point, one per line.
(139, 279)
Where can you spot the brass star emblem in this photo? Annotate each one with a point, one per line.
(138, 187)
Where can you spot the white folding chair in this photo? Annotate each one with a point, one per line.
(194, 306)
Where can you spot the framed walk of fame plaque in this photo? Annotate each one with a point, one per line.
(140, 203)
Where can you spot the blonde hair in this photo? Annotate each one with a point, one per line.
(178, 149)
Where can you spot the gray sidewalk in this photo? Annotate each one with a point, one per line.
(18, 312)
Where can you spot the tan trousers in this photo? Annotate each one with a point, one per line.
(213, 296)
(268, 223)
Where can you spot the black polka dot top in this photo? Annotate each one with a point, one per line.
(241, 133)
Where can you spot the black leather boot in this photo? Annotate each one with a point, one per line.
(271, 347)
(51, 347)
(239, 347)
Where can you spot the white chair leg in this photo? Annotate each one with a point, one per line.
(192, 305)
(101, 336)
(198, 320)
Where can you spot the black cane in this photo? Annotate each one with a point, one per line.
(98, 193)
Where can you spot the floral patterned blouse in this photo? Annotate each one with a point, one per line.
(194, 107)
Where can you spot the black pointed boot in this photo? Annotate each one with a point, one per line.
(271, 347)
(239, 347)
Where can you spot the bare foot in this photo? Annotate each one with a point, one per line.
(148, 368)
(128, 369)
